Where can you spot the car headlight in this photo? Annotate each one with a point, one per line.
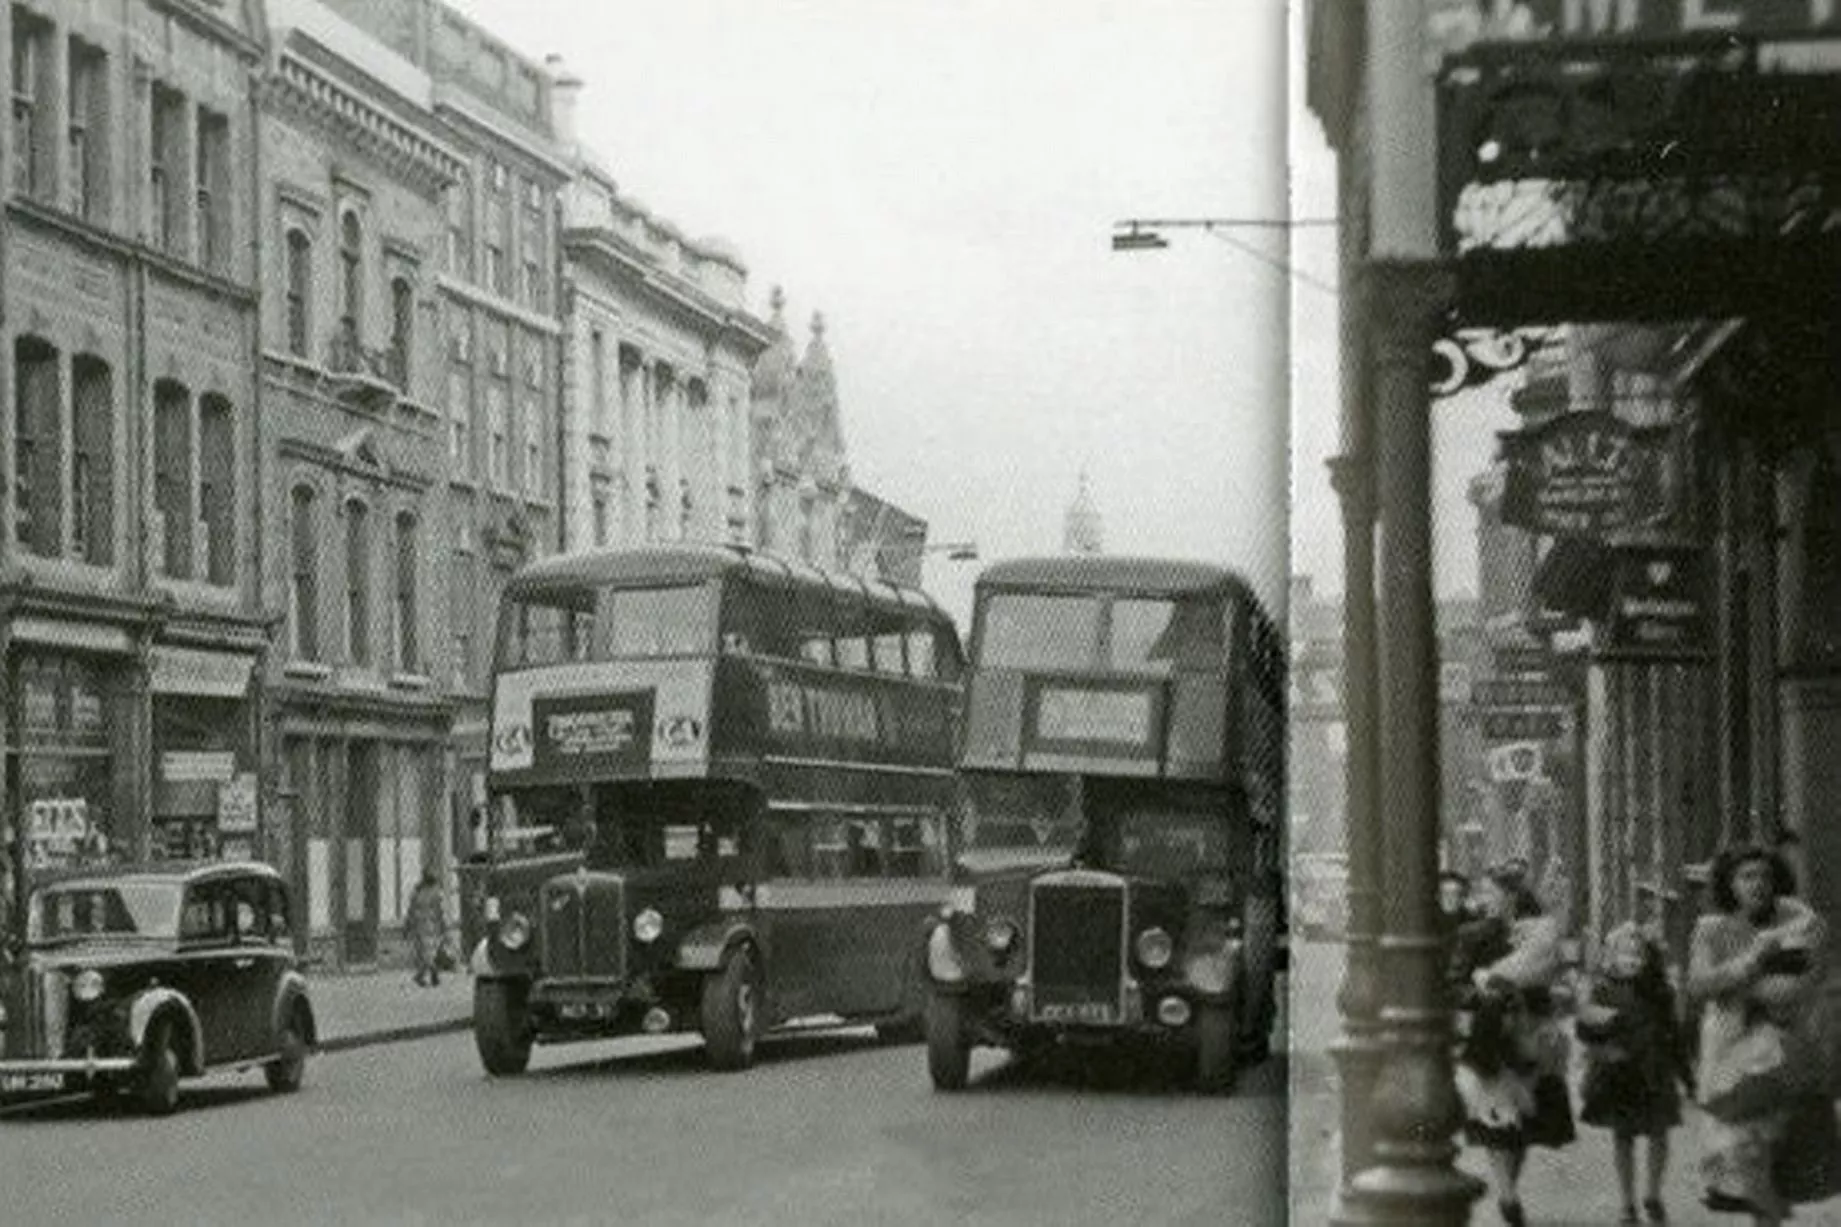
(1000, 937)
(514, 931)
(87, 986)
(1155, 948)
(647, 926)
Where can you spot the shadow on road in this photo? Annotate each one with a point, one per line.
(773, 1050)
(1124, 1071)
(80, 1106)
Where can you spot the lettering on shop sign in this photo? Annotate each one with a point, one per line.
(585, 734)
(1581, 474)
(58, 830)
(1453, 25)
(822, 711)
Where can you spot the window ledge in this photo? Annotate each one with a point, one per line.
(410, 681)
(307, 670)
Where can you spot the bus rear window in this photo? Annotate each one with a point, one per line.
(1161, 635)
(560, 624)
(1028, 631)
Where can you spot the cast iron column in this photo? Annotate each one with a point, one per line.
(1357, 1051)
(1414, 1103)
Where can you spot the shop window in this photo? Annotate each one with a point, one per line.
(217, 488)
(358, 582)
(38, 438)
(172, 477)
(32, 84)
(303, 575)
(92, 464)
(300, 290)
(86, 161)
(211, 188)
(406, 654)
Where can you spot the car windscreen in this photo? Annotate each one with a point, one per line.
(1026, 630)
(118, 909)
(560, 623)
(1018, 813)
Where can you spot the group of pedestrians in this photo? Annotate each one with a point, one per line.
(1739, 1037)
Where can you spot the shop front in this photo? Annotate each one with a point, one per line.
(204, 786)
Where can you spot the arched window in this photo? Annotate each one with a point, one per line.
(300, 290)
(217, 487)
(351, 278)
(303, 575)
(358, 582)
(402, 328)
(38, 442)
(92, 460)
(406, 653)
(172, 476)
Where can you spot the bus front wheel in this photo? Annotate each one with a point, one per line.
(1214, 1049)
(501, 1027)
(731, 1011)
(949, 1045)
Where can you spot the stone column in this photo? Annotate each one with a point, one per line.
(1414, 1106)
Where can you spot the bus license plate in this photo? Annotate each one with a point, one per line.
(31, 1084)
(1077, 1012)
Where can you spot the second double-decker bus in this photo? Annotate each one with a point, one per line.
(1117, 847)
(743, 768)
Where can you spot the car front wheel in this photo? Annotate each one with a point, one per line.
(158, 1092)
(501, 1027)
(285, 1072)
(949, 1045)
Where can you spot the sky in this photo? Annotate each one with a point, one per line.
(940, 178)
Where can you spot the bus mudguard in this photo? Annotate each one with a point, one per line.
(704, 947)
(1212, 971)
(945, 962)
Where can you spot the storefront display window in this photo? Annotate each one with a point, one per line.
(60, 764)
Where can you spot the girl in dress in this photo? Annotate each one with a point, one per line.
(1635, 1057)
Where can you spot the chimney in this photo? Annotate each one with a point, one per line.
(565, 89)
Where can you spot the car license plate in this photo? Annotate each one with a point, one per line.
(27, 1084)
(1077, 1012)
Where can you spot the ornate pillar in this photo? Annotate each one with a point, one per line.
(1414, 1106)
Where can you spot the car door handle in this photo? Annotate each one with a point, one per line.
(243, 964)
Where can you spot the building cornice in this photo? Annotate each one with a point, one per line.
(296, 87)
(338, 461)
(206, 21)
(532, 145)
(114, 244)
(489, 301)
(627, 261)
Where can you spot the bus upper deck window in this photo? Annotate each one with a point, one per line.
(1163, 635)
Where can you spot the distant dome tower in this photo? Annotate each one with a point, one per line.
(1081, 531)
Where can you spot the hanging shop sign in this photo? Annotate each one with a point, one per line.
(236, 804)
(1583, 474)
(220, 675)
(1658, 606)
(1638, 179)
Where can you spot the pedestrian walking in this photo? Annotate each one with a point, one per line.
(426, 923)
(1755, 968)
(1512, 1062)
(1636, 1055)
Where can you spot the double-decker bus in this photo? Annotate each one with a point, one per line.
(1117, 847)
(743, 767)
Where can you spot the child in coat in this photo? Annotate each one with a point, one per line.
(1635, 1059)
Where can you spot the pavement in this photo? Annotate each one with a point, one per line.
(1573, 1187)
(357, 1009)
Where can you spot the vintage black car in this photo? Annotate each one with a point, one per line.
(132, 978)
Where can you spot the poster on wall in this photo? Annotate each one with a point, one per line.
(236, 805)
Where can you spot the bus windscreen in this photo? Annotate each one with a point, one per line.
(559, 624)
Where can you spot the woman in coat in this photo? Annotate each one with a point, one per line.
(1511, 1074)
(427, 925)
(1754, 968)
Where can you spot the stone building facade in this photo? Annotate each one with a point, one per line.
(131, 618)
(356, 491)
(658, 350)
(495, 269)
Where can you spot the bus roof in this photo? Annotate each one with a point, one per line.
(1116, 573)
(693, 563)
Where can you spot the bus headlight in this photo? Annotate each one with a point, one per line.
(87, 986)
(1000, 937)
(647, 926)
(1155, 948)
(514, 931)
